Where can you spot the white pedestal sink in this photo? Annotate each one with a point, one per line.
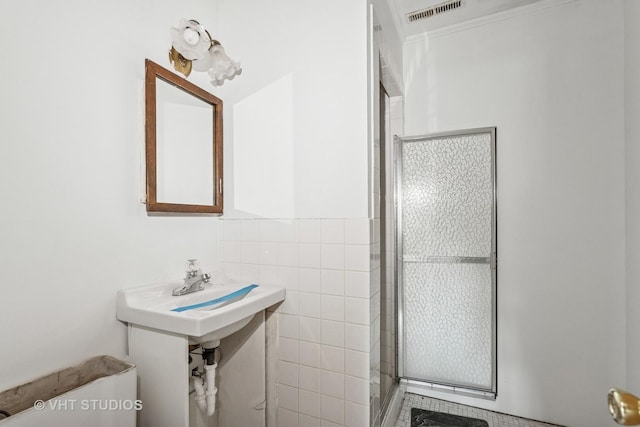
(159, 338)
(152, 306)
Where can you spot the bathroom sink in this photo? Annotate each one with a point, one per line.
(154, 307)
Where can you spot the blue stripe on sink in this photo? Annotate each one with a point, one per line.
(233, 295)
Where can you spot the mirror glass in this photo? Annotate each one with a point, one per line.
(183, 143)
(184, 152)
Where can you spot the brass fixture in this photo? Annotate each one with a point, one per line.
(180, 63)
(192, 48)
(624, 407)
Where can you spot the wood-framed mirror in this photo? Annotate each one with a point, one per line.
(183, 141)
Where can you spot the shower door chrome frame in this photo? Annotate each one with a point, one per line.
(489, 393)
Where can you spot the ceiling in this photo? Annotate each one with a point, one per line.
(469, 9)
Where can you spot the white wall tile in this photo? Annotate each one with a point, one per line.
(288, 254)
(231, 230)
(310, 329)
(326, 423)
(231, 251)
(288, 230)
(309, 421)
(288, 397)
(268, 253)
(309, 404)
(309, 255)
(309, 378)
(288, 373)
(250, 272)
(269, 275)
(268, 230)
(250, 252)
(288, 350)
(375, 280)
(332, 231)
(290, 305)
(356, 390)
(232, 270)
(333, 333)
(309, 230)
(309, 280)
(332, 384)
(313, 332)
(309, 305)
(357, 337)
(375, 235)
(333, 358)
(250, 231)
(356, 363)
(332, 282)
(374, 255)
(309, 354)
(287, 418)
(332, 307)
(332, 256)
(357, 257)
(356, 415)
(288, 278)
(288, 326)
(356, 310)
(356, 284)
(357, 231)
(332, 409)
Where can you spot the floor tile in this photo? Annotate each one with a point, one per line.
(494, 419)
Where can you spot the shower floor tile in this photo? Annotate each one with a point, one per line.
(494, 419)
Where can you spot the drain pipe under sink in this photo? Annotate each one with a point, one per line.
(200, 398)
(205, 388)
(210, 375)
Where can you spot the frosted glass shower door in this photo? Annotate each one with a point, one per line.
(446, 259)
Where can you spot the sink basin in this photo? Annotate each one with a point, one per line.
(152, 306)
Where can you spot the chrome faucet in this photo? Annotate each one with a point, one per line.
(194, 279)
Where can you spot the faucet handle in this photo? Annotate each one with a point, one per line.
(206, 277)
(192, 267)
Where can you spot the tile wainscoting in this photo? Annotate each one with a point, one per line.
(327, 324)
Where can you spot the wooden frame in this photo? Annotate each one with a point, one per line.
(154, 71)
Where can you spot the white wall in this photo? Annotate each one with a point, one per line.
(73, 230)
(296, 158)
(296, 118)
(551, 78)
(632, 155)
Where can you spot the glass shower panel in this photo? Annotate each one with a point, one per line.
(448, 323)
(447, 196)
(447, 250)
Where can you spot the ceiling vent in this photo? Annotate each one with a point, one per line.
(433, 11)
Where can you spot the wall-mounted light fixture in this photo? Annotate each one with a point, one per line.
(192, 48)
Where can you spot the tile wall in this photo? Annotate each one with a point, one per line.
(326, 326)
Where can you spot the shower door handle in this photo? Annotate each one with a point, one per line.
(624, 407)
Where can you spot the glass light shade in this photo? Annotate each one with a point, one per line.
(221, 66)
(190, 39)
(202, 64)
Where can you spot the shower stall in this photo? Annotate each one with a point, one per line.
(445, 258)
